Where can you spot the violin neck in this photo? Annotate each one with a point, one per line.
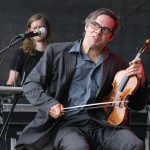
(138, 55)
(123, 83)
(126, 78)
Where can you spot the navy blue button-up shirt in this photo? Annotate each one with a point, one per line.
(86, 79)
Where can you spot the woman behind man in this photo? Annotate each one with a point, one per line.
(26, 57)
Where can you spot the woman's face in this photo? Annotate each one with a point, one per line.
(37, 25)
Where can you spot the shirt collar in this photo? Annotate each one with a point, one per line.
(76, 48)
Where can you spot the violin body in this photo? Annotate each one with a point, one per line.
(123, 87)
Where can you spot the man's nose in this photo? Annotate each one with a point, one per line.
(99, 30)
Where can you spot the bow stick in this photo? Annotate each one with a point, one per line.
(92, 106)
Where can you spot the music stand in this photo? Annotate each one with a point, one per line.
(17, 91)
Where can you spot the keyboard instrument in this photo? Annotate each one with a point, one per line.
(10, 90)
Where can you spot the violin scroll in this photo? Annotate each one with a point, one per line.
(148, 41)
(145, 46)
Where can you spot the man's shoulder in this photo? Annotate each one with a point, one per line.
(62, 45)
(59, 48)
(116, 56)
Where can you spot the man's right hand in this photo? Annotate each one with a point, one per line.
(56, 111)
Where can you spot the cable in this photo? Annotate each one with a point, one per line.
(102, 144)
(8, 47)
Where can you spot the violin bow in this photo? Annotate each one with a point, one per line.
(92, 106)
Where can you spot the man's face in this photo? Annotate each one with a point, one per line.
(101, 36)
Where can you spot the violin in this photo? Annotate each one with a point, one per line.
(123, 87)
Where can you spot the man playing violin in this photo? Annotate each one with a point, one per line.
(75, 74)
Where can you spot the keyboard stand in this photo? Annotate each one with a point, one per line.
(16, 97)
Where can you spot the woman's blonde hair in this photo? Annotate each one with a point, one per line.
(28, 43)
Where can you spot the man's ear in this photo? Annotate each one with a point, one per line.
(112, 36)
(85, 27)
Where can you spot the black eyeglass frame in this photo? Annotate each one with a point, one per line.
(96, 26)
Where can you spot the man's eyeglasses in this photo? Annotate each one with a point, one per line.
(96, 26)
